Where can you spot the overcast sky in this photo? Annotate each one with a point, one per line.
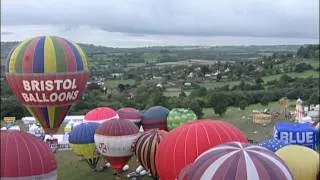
(131, 23)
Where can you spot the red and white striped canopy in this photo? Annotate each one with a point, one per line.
(238, 161)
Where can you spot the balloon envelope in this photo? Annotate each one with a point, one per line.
(81, 139)
(179, 116)
(273, 144)
(131, 114)
(237, 161)
(146, 147)
(184, 144)
(114, 140)
(24, 156)
(47, 74)
(155, 117)
(302, 161)
(100, 115)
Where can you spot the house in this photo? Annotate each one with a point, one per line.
(116, 75)
(190, 75)
(187, 84)
(159, 85)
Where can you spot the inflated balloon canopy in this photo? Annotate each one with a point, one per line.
(184, 144)
(237, 161)
(302, 161)
(155, 117)
(24, 156)
(81, 139)
(179, 116)
(100, 115)
(47, 74)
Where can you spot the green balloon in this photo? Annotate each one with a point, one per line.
(179, 116)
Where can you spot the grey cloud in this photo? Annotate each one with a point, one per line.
(263, 18)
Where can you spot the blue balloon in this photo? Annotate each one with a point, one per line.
(83, 133)
(273, 144)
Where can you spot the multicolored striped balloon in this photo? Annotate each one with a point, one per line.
(238, 161)
(179, 116)
(47, 74)
(114, 140)
(146, 148)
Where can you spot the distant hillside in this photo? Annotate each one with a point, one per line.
(177, 53)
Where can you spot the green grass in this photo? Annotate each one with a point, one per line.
(235, 116)
(72, 168)
(214, 84)
(304, 74)
(114, 82)
(175, 93)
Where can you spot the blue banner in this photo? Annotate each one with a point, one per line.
(295, 133)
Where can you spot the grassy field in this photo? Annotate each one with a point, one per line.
(304, 74)
(214, 84)
(243, 119)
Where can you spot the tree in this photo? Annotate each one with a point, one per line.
(219, 77)
(314, 98)
(182, 94)
(265, 100)
(219, 103)
(121, 87)
(303, 67)
(243, 104)
(259, 80)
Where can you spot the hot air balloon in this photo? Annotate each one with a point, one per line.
(179, 116)
(146, 147)
(184, 144)
(302, 161)
(24, 156)
(47, 74)
(131, 114)
(114, 140)
(273, 144)
(237, 161)
(155, 117)
(81, 140)
(100, 115)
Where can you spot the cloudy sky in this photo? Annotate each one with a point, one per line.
(132, 23)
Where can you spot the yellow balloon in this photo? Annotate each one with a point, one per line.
(303, 162)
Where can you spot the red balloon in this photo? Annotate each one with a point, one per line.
(184, 144)
(24, 156)
(100, 115)
(114, 140)
(131, 114)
